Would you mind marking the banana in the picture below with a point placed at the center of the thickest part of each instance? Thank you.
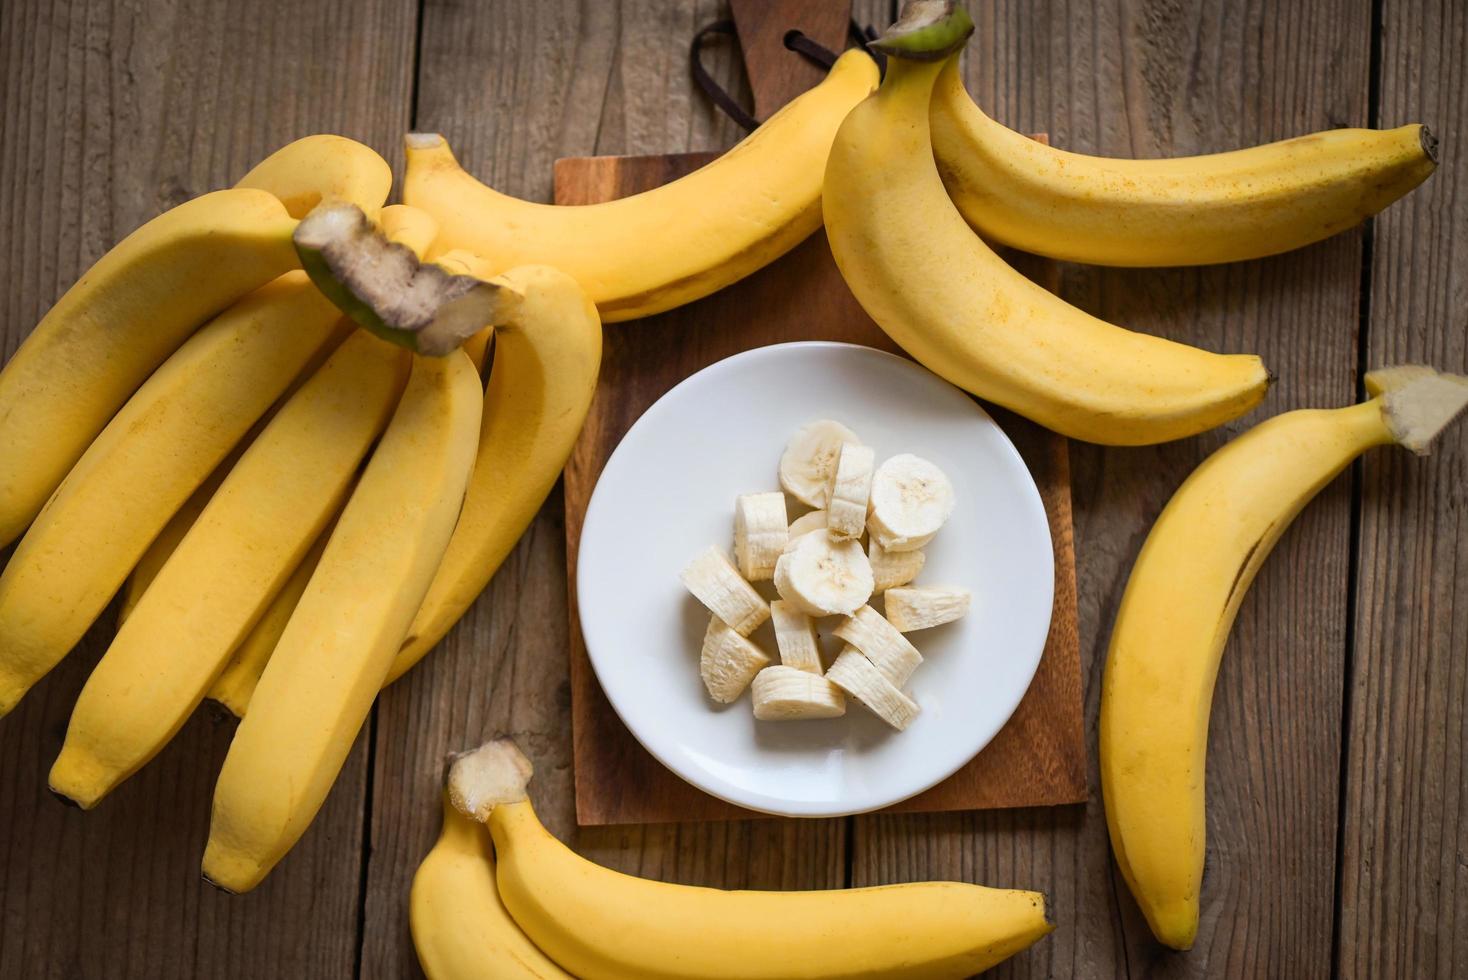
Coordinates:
(760, 533)
(728, 662)
(925, 606)
(1180, 603)
(319, 684)
(256, 529)
(787, 694)
(323, 168)
(849, 491)
(809, 460)
(122, 319)
(922, 274)
(823, 577)
(173, 532)
(144, 466)
(880, 642)
(602, 925)
(715, 582)
(911, 500)
(1222, 207)
(814, 520)
(694, 236)
(860, 679)
(461, 929)
(891, 569)
(795, 637)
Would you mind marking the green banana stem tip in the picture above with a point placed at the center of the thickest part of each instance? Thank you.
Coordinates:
(385, 289)
(927, 30)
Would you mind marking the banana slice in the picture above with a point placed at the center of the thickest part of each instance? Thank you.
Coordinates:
(806, 523)
(855, 675)
(760, 533)
(922, 607)
(892, 568)
(881, 642)
(795, 635)
(715, 582)
(728, 662)
(823, 577)
(810, 459)
(911, 498)
(851, 486)
(787, 694)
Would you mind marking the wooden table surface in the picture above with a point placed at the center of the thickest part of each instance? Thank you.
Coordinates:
(1337, 780)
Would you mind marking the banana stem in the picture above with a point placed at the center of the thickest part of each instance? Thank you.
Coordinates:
(927, 30)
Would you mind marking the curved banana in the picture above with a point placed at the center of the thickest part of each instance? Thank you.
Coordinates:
(1173, 624)
(156, 556)
(119, 321)
(254, 531)
(949, 301)
(321, 168)
(602, 925)
(320, 682)
(694, 236)
(151, 457)
(1222, 207)
(461, 929)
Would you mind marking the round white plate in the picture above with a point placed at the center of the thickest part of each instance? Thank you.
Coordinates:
(668, 492)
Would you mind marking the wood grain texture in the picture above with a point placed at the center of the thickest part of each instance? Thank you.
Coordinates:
(1404, 868)
(113, 112)
(1152, 78)
(773, 73)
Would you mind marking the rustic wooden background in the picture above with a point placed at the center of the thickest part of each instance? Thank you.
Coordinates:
(1338, 780)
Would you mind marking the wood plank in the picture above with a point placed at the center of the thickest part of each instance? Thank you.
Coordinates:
(1404, 874)
(1151, 78)
(111, 113)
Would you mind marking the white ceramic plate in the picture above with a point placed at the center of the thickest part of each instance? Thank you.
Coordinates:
(668, 491)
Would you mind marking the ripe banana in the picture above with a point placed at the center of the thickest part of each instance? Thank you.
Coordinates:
(1222, 207)
(255, 530)
(694, 236)
(461, 929)
(891, 569)
(786, 694)
(1180, 603)
(948, 300)
(151, 457)
(320, 682)
(923, 607)
(809, 460)
(795, 637)
(811, 521)
(601, 925)
(860, 679)
(121, 319)
(911, 500)
(760, 533)
(849, 491)
(822, 576)
(323, 168)
(880, 642)
(173, 532)
(715, 582)
(728, 662)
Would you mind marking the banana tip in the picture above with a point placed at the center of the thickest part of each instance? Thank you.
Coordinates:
(1429, 142)
(423, 141)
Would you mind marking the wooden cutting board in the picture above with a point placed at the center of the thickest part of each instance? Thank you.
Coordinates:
(1037, 759)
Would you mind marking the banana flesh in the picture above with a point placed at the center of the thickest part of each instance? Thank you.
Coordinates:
(822, 576)
(814, 520)
(783, 693)
(809, 460)
(1223, 207)
(891, 569)
(728, 662)
(1179, 606)
(715, 582)
(695, 235)
(881, 643)
(860, 679)
(923, 607)
(795, 637)
(850, 490)
(760, 534)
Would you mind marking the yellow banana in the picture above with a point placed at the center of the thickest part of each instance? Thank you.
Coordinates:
(1222, 207)
(151, 457)
(602, 925)
(319, 684)
(1173, 624)
(253, 533)
(949, 301)
(321, 168)
(694, 236)
(173, 532)
(461, 929)
(120, 320)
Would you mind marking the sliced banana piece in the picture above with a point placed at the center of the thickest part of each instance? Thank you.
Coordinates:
(760, 532)
(728, 662)
(851, 486)
(921, 607)
(715, 582)
(854, 674)
(887, 649)
(804, 524)
(810, 459)
(824, 577)
(787, 694)
(892, 568)
(795, 636)
(911, 499)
